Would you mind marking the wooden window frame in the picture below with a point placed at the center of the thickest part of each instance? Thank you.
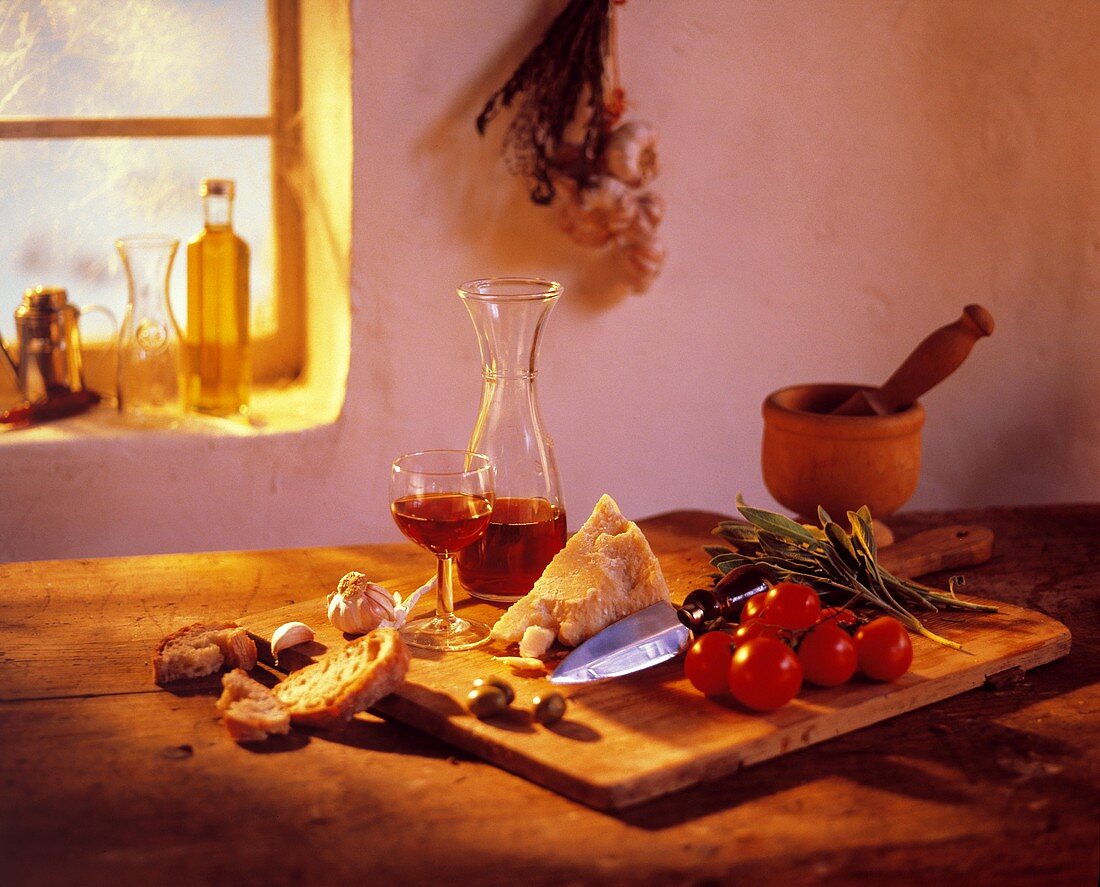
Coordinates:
(278, 356)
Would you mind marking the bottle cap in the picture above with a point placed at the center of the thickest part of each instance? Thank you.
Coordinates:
(217, 187)
(44, 298)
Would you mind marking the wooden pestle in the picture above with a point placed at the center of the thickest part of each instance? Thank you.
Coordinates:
(932, 361)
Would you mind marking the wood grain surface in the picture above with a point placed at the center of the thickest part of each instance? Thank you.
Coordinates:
(633, 739)
(107, 779)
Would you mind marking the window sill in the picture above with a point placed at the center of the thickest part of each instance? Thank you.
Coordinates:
(276, 410)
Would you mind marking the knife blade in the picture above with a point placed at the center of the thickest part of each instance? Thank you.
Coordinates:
(638, 641)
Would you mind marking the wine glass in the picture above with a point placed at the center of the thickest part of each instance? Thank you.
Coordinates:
(442, 500)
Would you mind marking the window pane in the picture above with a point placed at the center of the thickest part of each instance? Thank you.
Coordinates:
(133, 58)
(65, 203)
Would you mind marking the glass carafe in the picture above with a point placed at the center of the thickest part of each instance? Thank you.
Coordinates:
(528, 524)
(149, 344)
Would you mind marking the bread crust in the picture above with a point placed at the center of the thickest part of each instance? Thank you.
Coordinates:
(328, 692)
(250, 710)
(202, 648)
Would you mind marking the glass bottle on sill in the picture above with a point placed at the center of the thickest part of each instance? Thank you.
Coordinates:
(219, 358)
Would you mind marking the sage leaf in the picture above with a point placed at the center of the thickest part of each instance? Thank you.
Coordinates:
(832, 560)
(777, 525)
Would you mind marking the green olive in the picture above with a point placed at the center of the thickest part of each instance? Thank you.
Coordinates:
(549, 709)
(494, 681)
(486, 701)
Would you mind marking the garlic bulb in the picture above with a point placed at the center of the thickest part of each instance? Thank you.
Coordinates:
(630, 154)
(593, 215)
(643, 257)
(358, 605)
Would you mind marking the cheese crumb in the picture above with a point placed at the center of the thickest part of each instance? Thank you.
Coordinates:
(536, 641)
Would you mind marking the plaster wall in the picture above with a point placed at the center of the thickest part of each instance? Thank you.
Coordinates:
(840, 179)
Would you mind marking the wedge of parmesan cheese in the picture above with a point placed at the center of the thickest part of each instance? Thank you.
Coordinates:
(605, 572)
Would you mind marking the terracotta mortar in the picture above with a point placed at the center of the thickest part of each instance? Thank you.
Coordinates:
(840, 462)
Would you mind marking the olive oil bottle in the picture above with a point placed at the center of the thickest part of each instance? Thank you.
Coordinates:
(218, 350)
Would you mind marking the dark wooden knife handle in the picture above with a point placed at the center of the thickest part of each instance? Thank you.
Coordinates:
(945, 548)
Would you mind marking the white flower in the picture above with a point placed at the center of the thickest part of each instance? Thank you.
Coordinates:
(593, 215)
(630, 154)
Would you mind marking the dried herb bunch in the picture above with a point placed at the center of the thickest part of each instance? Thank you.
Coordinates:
(561, 80)
(568, 142)
(841, 564)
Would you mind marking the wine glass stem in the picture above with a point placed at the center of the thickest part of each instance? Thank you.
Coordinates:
(445, 592)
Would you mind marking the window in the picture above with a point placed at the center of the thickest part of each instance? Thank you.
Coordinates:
(111, 111)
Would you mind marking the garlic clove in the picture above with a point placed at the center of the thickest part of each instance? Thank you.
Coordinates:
(379, 601)
(289, 634)
(651, 209)
(643, 258)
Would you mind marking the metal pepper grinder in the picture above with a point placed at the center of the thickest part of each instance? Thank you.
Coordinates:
(49, 358)
(48, 363)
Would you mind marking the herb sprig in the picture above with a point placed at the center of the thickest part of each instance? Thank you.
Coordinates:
(832, 559)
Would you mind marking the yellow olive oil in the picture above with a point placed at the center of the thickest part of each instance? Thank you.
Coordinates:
(218, 350)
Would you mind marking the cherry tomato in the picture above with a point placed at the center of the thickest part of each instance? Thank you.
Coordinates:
(754, 606)
(792, 605)
(828, 655)
(764, 674)
(753, 628)
(708, 661)
(884, 649)
(841, 616)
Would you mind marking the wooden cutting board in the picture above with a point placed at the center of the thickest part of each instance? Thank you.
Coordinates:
(632, 739)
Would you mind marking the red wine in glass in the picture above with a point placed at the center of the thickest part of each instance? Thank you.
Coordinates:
(444, 523)
(443, 500)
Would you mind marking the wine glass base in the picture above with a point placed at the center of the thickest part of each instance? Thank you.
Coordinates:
(435, 633)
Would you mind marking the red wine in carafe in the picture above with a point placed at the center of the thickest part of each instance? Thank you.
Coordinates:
(522, 537)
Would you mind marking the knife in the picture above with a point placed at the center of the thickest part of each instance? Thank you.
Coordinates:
(656, 634)
(642, 639)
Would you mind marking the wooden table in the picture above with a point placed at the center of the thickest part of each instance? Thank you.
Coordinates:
(109, 779)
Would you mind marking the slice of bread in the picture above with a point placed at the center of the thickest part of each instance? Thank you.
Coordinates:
(329, 691)
(201, 649)
(605, 572)
(250, 710)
